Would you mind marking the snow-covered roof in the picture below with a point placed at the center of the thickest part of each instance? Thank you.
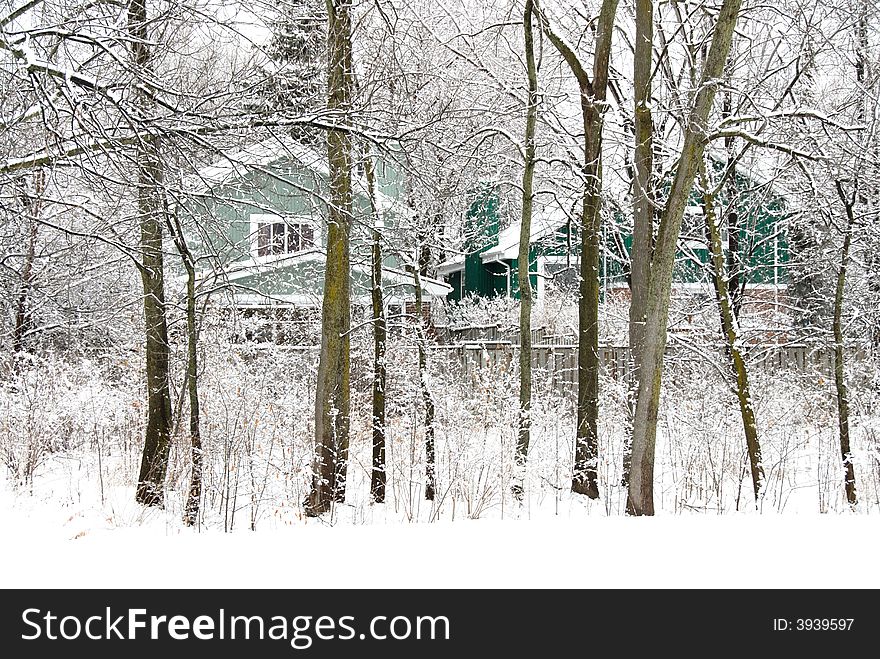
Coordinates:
(250, 267)
(432, 286)
(758, 166)
(543, 224)
(451, 265)
(236, 164)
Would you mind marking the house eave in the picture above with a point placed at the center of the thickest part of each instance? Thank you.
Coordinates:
(448, 267)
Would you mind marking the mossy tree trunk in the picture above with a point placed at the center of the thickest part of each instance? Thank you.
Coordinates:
(643, 201)
(332, 394)
(640, 499)
(730, 330)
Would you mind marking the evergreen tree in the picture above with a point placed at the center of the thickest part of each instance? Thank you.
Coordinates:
(294, 79)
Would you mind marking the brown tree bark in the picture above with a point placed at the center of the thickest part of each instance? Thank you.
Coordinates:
(378, 474)
(840, 387)
(643, 201)
(640, 499)
(151, 211)
(525, 286)
(194, 493)
(593, 96)
(332, 394)
(428, 400)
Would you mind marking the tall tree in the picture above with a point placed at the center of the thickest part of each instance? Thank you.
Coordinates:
(378, 476)
(643, 196)
(420, 270)
(640, 499)
(296, 73)
(332, 393)
(730, 330)
(848, 200)
(525, 235)
(151, 213)
(593, 95)
(191, 378)
(23, 305)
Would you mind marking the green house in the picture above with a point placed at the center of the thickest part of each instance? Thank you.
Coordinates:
(753, 207)
(257, 219)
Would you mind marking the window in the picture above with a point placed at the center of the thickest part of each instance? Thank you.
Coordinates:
(274, 235)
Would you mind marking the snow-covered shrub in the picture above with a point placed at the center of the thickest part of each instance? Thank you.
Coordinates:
(49, 405)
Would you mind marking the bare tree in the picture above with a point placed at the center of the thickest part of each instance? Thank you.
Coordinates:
(151, 210)
(640, 500)
(332, 395)
(593, 105)
(525, 239)
(643, 195)
(730, 330)
(378, 474)
(848, 200)
(23, 312)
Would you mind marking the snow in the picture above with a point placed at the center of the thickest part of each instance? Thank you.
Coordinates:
(543, 224)
(79, 547)
(74, 522)
(263, 155)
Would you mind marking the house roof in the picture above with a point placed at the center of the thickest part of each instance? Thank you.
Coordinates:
(236, 164)
(251, 267)
(758, 169)
(544, 223)
(759, 166)
(454, 264)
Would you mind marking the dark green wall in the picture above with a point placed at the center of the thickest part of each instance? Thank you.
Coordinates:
(762, 242)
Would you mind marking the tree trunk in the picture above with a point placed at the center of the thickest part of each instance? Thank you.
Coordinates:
(585, 476)
(332, 395)
(640, 500)
(643, 202)
(593, 94)
(525, 233)
(194, 496)
(421, 337)
(151, 209)
(729, 327)
(378, 474)
(837, 327)
(23, 312)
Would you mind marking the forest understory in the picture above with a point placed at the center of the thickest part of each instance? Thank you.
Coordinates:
(70, 443)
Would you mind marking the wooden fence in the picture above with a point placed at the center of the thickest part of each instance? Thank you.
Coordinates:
(560, 361)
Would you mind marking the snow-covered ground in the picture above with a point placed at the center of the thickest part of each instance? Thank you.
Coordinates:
(82, 546)
(73, 520)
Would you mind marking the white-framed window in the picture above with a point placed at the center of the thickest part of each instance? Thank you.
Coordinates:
(274, 235)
